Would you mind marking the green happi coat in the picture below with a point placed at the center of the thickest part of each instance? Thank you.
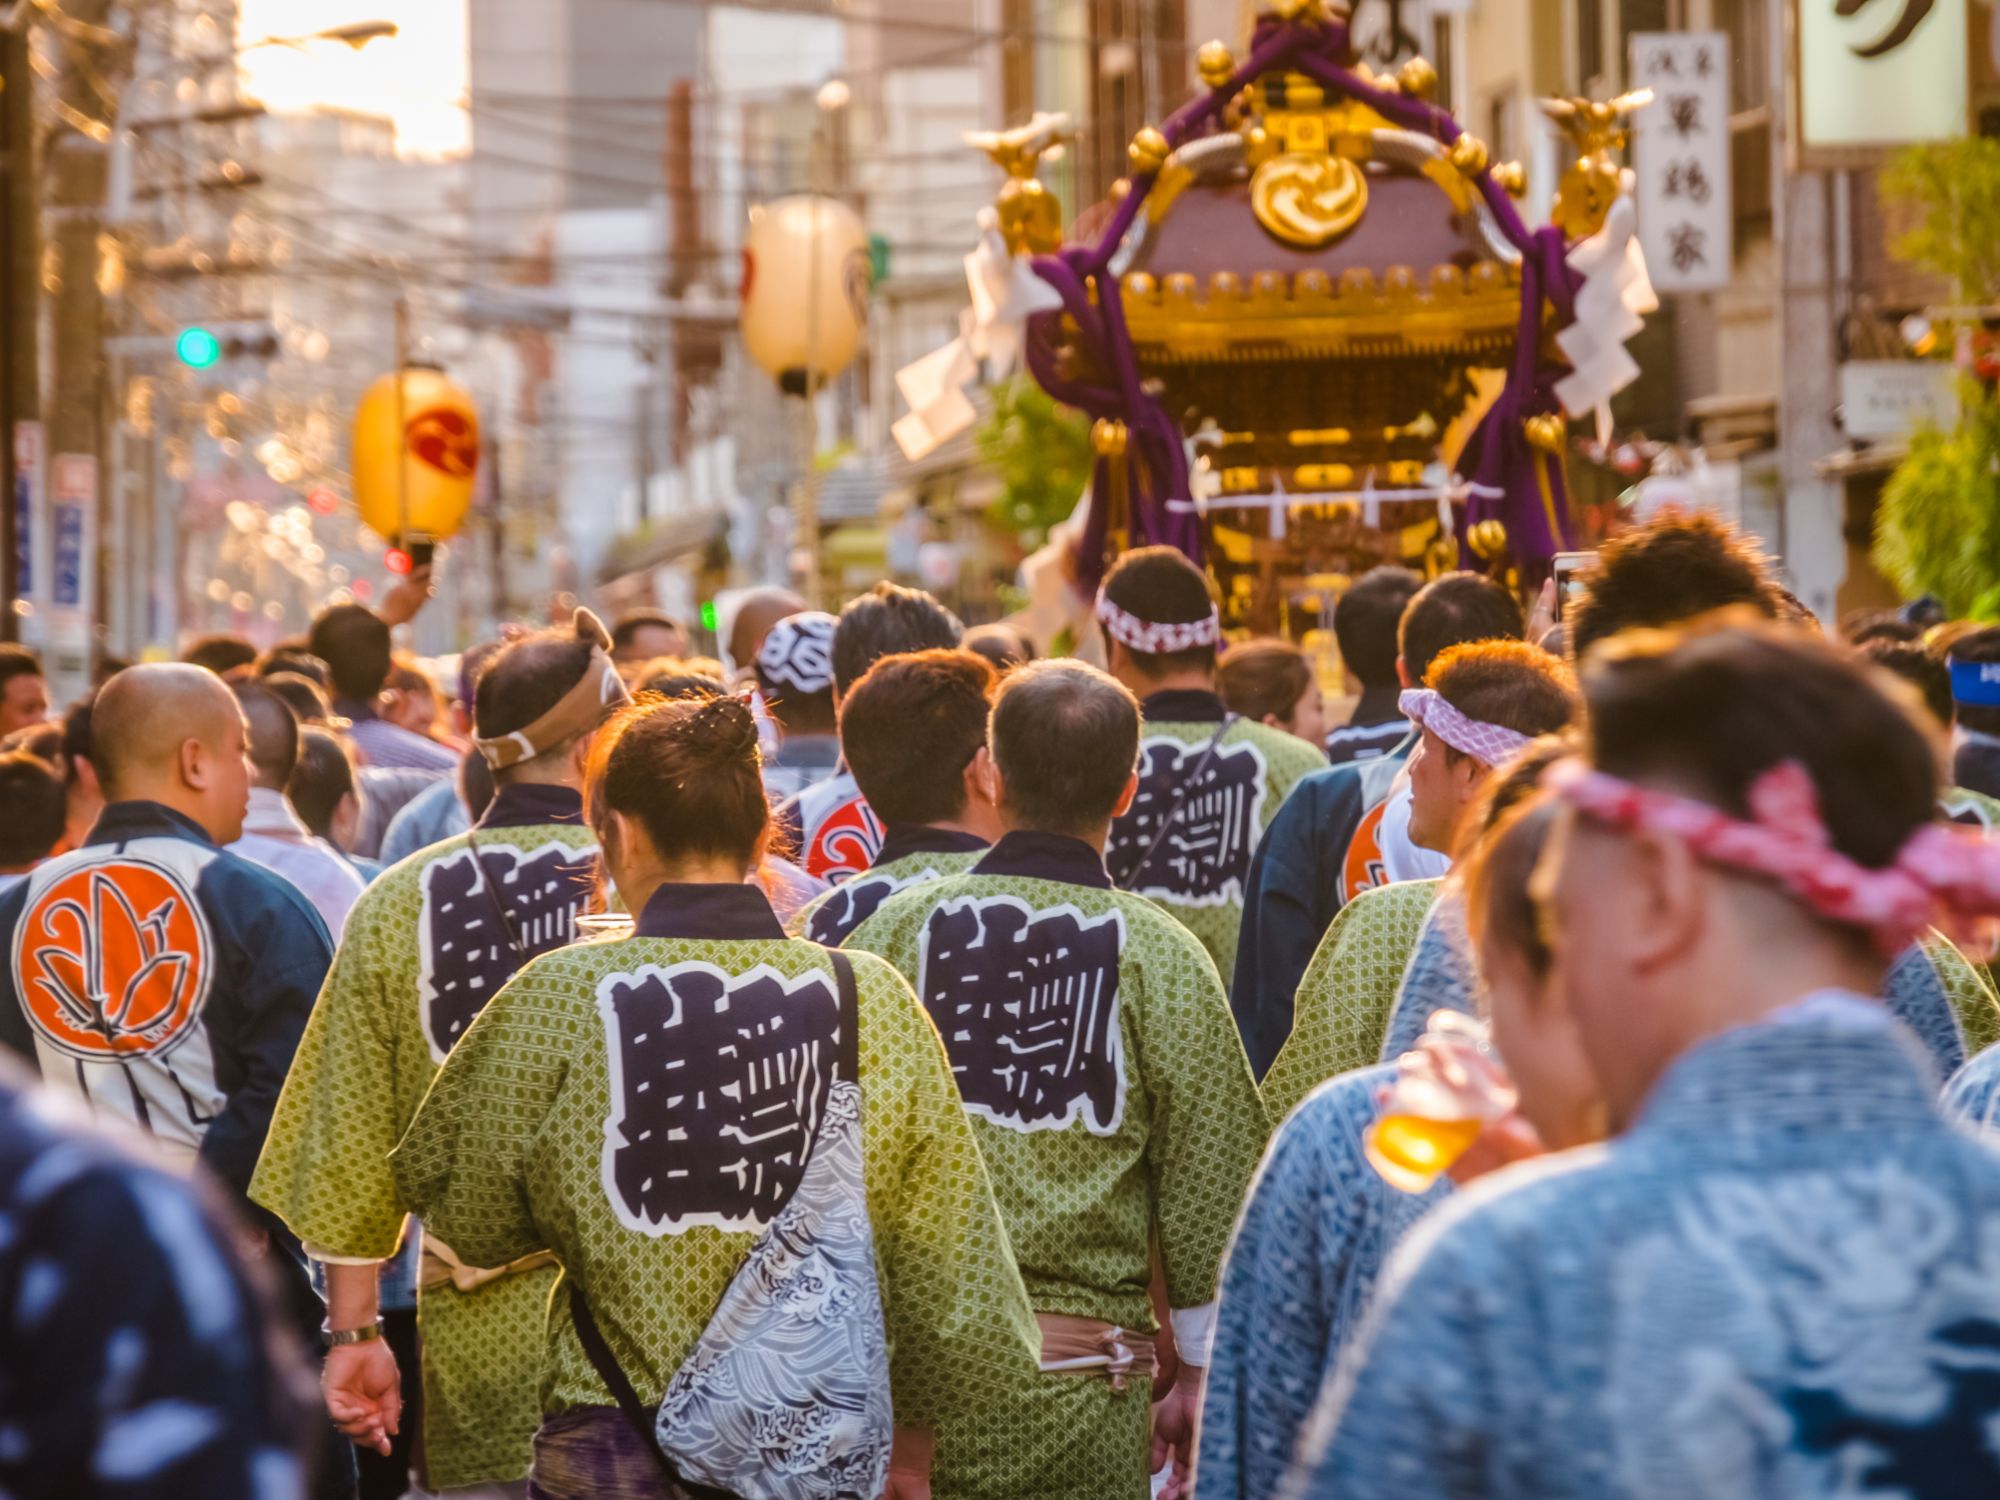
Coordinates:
(1136, 1118)
(908, 856)
(1341, 1012)
(423, 950)
(1198, 869)
(553, 1127)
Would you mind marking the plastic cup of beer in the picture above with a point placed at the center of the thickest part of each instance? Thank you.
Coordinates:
(592, 925)
(1445, 1093)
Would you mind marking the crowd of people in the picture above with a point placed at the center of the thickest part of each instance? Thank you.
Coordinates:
(879, 1060)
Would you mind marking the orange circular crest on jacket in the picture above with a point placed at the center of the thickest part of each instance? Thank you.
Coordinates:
(112, 961)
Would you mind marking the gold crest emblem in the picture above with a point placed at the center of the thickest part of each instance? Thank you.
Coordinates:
(1308, 200)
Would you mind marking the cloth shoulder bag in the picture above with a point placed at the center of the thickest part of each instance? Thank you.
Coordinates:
(786, 1393)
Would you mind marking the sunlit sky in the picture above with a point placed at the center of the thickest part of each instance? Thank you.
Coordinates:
(417, 77)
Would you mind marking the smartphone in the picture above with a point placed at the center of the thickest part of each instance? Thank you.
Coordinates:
(1570, 569)
(420, 550)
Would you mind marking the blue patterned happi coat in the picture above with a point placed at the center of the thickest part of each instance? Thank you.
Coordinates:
(1314, 1236)
(1782, 1281)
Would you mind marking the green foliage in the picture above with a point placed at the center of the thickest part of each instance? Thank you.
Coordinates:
(1937, 530)
(1041, 451)
(1954, 187)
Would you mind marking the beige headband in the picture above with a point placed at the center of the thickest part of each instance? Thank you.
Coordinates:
(598, 692)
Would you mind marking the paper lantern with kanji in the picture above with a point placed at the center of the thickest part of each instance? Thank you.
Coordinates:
(805, 289)
(436, 426)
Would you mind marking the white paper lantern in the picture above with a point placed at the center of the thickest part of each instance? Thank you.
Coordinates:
(805, 289)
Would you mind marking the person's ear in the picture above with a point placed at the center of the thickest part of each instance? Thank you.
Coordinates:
(1403, 673)
(981, 777)
(195, 764)
(1274, 721)
(1673, 889)
(992, 786)
(579, 756)
(1125, 796)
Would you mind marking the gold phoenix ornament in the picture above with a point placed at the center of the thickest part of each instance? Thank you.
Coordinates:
(1030, 215)
(1590, 186)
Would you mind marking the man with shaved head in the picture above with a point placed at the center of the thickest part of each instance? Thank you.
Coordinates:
(160, 977)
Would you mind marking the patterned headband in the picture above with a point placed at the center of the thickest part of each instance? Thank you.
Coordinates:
(1155, 636)
(593, 695)
(798, 653)
(1940, 876)
(1489, 744)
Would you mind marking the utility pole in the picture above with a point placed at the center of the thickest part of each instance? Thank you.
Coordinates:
(77, 180)
(20, 257)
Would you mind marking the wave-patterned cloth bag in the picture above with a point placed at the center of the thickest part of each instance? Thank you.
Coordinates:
(786, 1394)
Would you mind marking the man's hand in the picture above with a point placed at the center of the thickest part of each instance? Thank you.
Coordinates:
(1174, 1418)
(1542, 618)
(1501, 1143)
(364, 1395)
(400, 604)
(905, 1485)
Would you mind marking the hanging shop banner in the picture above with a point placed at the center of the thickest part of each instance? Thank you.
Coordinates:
(1877, 73)
(1681, 158)
(28, 482)
(71, 586)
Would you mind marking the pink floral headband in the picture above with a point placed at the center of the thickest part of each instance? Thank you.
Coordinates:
(1155, 636)
(1489, 744)
(1940, 876)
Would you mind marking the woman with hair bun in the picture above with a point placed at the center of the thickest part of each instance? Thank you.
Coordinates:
(676, 1115)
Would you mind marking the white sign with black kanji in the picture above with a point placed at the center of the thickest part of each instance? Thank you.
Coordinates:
(1680, 155)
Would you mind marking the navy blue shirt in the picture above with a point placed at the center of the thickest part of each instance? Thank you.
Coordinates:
(1374, 729)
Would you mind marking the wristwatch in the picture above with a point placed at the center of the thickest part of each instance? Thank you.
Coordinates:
(333, 1338)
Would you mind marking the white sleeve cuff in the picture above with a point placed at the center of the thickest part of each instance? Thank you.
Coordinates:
(1194, 1333)
(328, 1258)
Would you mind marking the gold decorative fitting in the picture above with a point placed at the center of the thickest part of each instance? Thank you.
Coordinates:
(1548, 432)
(1300, 10)
(1109, 437)
(1148, 152)
(1487, 539)
(1217, 64)
(1512, 178)
(1468, 154)
(1417, 78)
(1597, 128)
(1308, 200)
(1233, 318)
(1030, 215)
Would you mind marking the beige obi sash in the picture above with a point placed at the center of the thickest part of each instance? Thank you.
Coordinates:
(437, 1265)
(1089, 1346)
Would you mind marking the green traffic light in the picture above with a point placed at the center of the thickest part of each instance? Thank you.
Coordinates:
(708, 614)
(198, 348)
